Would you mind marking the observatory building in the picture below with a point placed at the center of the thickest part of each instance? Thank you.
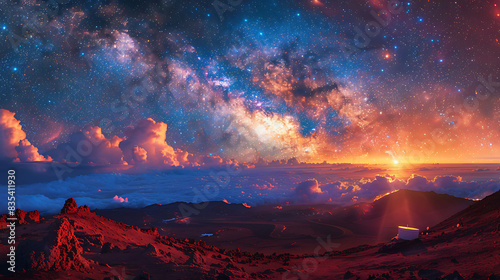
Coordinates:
(408, 233)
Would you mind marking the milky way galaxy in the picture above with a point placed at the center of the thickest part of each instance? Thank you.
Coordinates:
(204, 82)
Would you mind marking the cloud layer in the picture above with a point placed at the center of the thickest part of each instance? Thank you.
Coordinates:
(278, 185)
(310, 191)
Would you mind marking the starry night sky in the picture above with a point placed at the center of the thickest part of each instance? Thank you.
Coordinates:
(317, 80)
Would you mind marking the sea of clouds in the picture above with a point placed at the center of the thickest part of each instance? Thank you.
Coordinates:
(262, 185)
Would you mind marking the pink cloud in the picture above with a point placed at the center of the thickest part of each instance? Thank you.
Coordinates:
(140, 155)
(105, 151)
(13, 143)
(90, 146)
(27, 152)
(11, 132)
(308, 190)
(120, 199)
(366, 190)
(150, 136)
(185, 159)
(144, 144)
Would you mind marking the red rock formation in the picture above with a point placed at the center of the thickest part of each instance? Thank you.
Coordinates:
(60, 250)
(69, 207)
(20, 215)
(152, 231)
(83, 209)
(23, 217)
(33, 217)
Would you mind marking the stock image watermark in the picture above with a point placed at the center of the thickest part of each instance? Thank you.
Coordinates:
(311, 264)
(35, 22)
(485, 88)
(223, 6)
(123, 105)
(211, 190)
(372, 29)
(453, 115)
(11, 210)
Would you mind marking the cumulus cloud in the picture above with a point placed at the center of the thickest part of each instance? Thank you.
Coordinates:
(120, 199)
(454, 185)
(310, 191)
(213, 161)
(13, 143)
(144, 145)
(28, 153)
(147, 140)
(339, 191)
(89, 146)
(380, 185)
(105, 150)
(139, 155)
(11, 132)
(184, 158)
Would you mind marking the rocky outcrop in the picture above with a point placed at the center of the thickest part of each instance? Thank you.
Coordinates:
(60, 250)
(89, 241)
(70, 207)
(83, 209)
(151, 231)
(22, 217)
(152, 250)
(33, 217)
(109, 248)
